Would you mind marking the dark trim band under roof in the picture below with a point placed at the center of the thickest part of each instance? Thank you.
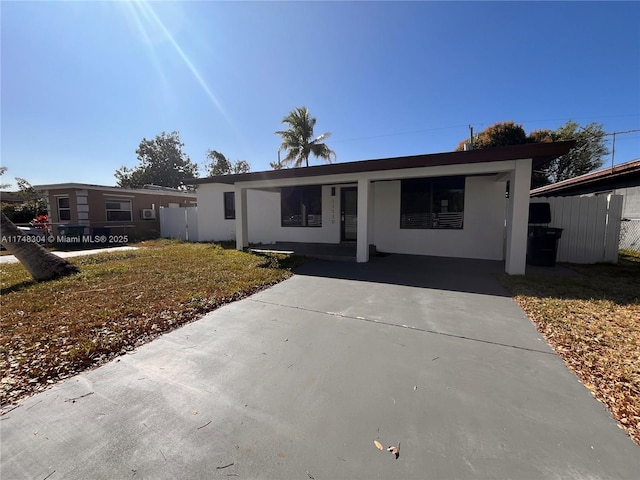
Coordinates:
(540, 153)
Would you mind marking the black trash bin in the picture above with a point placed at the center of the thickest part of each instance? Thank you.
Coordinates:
(72, 233)
(542, 243)
(542, 246)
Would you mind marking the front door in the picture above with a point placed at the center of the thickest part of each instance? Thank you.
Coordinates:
(349, 214)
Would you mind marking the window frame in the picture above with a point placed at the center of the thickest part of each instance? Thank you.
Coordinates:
(229, 204)
(121, 202)
(67, 210)
(303, 201)
(432, 203)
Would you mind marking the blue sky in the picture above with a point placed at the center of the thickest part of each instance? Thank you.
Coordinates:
(83, 83)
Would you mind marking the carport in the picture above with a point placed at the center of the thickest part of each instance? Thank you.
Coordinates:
(448, 204)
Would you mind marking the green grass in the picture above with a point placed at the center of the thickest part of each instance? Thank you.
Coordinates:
(51, 330)
(593, 322)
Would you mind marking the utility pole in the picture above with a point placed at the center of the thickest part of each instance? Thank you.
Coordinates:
(613, 145)
(613, 150)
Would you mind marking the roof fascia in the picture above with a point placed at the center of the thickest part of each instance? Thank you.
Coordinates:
(381, 175)
(114, 190)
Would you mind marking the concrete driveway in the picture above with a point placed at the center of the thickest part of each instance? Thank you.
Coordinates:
(4, 259)
(299, 380)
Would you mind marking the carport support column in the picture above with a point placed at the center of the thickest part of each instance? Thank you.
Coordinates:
(362, 252)
(518, 217)
(242, 231)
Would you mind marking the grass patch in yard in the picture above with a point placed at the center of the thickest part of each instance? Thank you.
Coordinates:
(51, 330)
(593, 322)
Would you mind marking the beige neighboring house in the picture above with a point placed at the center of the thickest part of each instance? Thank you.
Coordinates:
(85, 209)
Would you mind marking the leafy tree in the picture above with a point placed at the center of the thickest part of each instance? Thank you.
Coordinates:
(33, 200)
(162, 162)
(298, 140)
(42, 265)
(497, 135)
(32, 205)
(540, 177)
(277, 165)
(587, 155)
(3, 170)
(540, 136)
(221, 165)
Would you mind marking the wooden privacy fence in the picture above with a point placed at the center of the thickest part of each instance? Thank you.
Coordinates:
(180, 222)
(591, 227)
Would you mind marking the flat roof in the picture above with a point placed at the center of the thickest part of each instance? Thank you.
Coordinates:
(540, 153)
(89, 186)
(595, 178)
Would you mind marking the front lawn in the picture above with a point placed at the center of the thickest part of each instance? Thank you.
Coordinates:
(51, 330)
(593, 322)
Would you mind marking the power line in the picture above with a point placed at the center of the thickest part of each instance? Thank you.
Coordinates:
(613, 146)
(411, 132)
(626, 131)
(395, 134)
(582, 118)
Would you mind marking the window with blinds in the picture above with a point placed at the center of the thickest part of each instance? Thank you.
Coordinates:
(118, 210)
(436, 202)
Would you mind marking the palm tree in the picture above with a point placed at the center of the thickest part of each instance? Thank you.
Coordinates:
(298, 139)
(42, 265)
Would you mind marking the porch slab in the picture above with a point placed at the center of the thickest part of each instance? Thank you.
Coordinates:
(345, 251)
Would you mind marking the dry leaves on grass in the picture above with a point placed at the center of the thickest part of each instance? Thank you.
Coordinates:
(51, 330)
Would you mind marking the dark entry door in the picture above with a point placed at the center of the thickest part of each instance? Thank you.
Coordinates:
(348, 214)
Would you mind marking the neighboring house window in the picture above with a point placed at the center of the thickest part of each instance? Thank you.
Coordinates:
(118, 210)
(229, 205)
(301, 206)
(436, 202)
(64, 209)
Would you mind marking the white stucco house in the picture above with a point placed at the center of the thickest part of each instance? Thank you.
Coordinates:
(447, 204)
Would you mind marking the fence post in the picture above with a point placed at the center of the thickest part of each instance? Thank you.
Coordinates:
(614, 219)
(186, 225)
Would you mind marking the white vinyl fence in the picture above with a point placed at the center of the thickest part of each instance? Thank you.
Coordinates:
(181, 222)
(591, 227)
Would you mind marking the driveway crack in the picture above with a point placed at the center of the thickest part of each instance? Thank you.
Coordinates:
(408, 327)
